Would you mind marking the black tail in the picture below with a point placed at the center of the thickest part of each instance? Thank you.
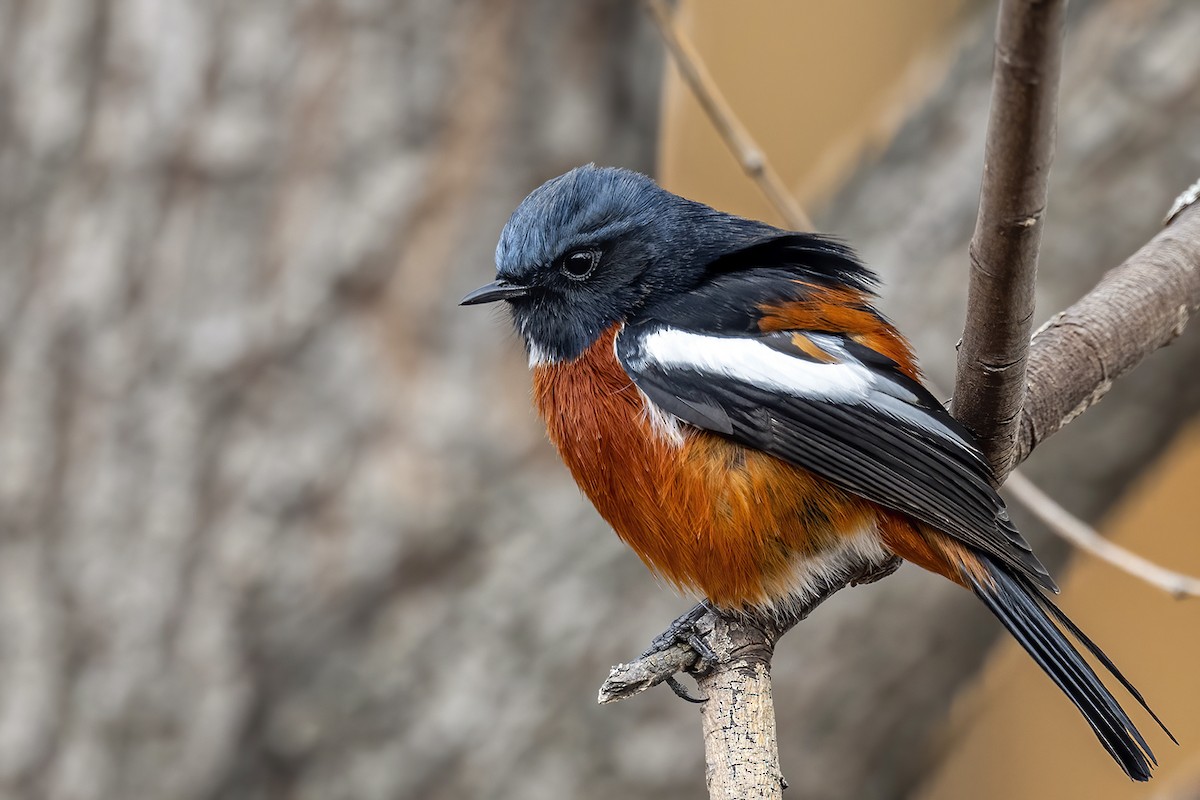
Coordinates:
(1030, 616)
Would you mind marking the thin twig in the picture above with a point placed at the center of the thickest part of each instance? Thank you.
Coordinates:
(739, 141)
(1083, 536)
(990, 383)
(1078, 533)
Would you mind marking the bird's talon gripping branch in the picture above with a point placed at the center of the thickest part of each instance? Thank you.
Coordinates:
(686, 631)
(705, 657)
(681, 631)
(680, 648)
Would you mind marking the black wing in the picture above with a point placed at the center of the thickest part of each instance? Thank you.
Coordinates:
(850, 417)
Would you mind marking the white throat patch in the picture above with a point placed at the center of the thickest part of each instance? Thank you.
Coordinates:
(538, 357)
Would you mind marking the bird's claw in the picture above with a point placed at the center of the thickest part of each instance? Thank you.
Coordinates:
(683, 631)
(682, 692)
(705, 657)
(680, 631)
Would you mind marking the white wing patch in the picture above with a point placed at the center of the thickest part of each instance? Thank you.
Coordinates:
(753, 362)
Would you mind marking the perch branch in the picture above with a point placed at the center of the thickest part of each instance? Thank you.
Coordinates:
(990, 383)
(731, 130)
(738, 716)
(738, 719)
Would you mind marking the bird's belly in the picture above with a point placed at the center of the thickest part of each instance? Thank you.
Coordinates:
(739, 526)
(709, 515)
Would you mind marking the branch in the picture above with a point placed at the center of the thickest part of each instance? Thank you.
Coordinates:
(1008, 231)
(739, 141)
(1136, 308)
(740, 744)
(738, 716)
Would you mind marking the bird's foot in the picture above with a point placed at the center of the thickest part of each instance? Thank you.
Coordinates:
(685, 631)
(706, 639)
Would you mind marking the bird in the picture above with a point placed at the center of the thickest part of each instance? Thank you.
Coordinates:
(729, 398)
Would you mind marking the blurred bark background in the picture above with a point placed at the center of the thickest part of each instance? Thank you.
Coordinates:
(270, 504)
(276, 519)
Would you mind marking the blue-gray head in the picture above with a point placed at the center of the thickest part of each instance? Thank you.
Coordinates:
(589, 248)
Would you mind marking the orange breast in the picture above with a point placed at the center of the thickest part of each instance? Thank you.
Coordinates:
(707, 514)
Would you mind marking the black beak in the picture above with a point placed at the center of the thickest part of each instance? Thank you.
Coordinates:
(496, 290)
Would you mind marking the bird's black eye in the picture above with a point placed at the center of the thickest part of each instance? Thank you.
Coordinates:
(579, 264)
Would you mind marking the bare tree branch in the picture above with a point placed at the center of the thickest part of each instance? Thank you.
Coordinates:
(1136, 308)
(1008, 230)
(738, 715)
(747, 152)
(738, 719)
